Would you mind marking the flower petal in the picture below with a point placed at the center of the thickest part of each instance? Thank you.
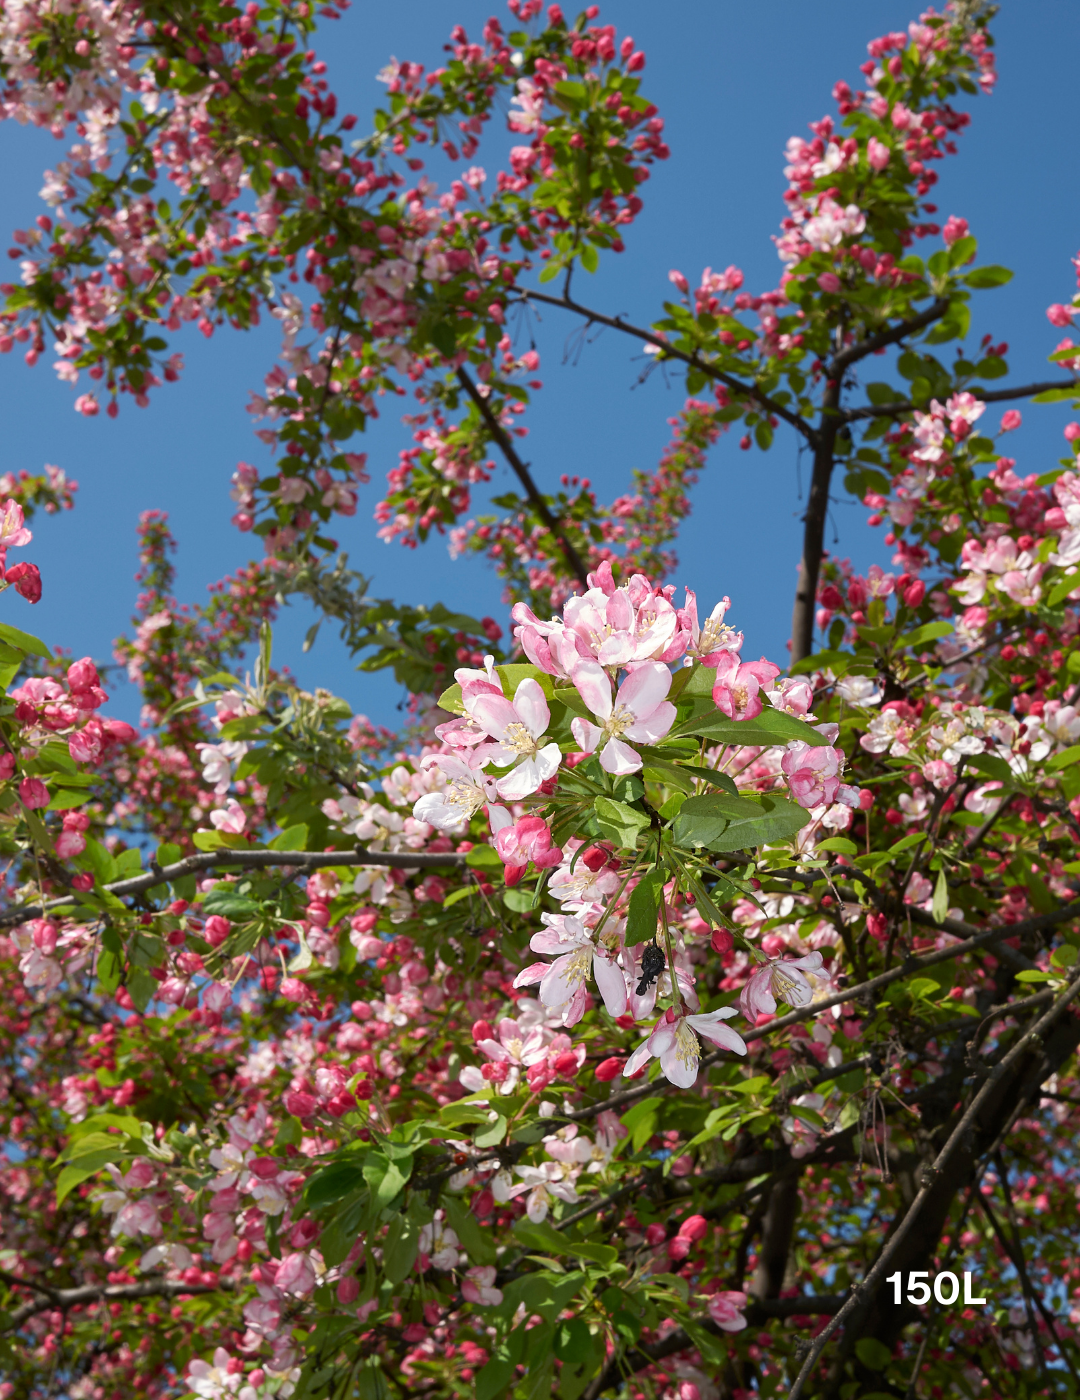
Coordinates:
(592, 684)
(532, 707)
(619, 758)
(611, 984)
(645, 688)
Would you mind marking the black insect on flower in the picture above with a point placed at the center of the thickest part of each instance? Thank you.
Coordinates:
(652, 965)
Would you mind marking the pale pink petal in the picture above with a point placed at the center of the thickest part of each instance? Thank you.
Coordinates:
(520, 782)
(654, 727)
(532, 707)
(611, 984)
(586, 735)
(618, 758)
(641, 1056)
(645, 688)
(592, 684)
(494, 712)
(535, 972)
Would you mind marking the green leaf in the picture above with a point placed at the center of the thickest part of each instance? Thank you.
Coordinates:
(992, 766)
(14, 637)
(477, 1242)
(400, 1248)
(64, 801)
(491, 1133)
(333, 1183)
(293, 838)
(921, 635)
(771, 727)
(229, 905)
(640, 1121)
(71, 1177)
(643, 908)
(873, 1353)
(1065, 758)
(484, 857)
(520, 901)
(620, 823)
(838, 843)
(722, 823)
(990, 276)
(1062, 588)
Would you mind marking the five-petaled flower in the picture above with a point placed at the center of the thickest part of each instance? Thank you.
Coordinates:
(639, 713)
(674, 1042)
(783, 980)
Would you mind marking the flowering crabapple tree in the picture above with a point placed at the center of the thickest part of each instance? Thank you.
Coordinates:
(629, 1023)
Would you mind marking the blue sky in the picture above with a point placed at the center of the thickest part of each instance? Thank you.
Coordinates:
(733, 83)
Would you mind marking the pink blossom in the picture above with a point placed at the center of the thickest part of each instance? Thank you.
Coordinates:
(27, 581)
(955, 229)
(296, 1275)
(517, 729)
(725, 1309)
(940, 773)
(478, 1286)
(33, 793)
(563, 983)
(13, 532)
(707, 640)
(828, 282)
(1011, 419)
(783, 980)
(466, 790)
(813, 772)
(528, 839)
(231, 818)
(1059, 315)
(877, 153)
(738, 685)
(640, 713)
(793, 695)
(674, 1041)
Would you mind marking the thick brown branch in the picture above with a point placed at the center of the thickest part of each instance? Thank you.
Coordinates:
(247, 860)
(844, 358)
(721, 376)
(520, 469)
(1024, 391)
(972, 940)
(64, 1298)
(934, 1180)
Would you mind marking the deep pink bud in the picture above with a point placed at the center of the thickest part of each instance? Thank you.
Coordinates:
(217, 930)
(298, 1103)
(694, 1227)
(482, 1031)
(83, 674)
(609, 1069)
(915, 593)
(27, 581)
(33, 793)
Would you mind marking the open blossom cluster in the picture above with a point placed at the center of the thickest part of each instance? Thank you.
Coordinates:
(548, 1047)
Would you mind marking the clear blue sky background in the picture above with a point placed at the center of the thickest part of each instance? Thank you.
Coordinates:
(733, 83)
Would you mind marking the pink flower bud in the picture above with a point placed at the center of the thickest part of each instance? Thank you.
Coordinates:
(1011, 419)
(298, 1103)
(348, 1289)
(915, 593)
(1056, 314)
(217, 930)
(955, 229)
(679, 280)
(27, 581)
(609, 1069)
(292, 989)
(694, 1227)
(83, 674)
(33, 793)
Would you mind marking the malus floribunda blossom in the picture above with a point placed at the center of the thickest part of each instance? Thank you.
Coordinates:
(27, 581)
(478, 1286)
(517, 728)
(877, 153)
(639, 713)
(813, 772)
(725, 1309)
(528, 839)
(33, 793)
(563, 982)
(674, 1042)
(231, 818)
(784, 980)
(736, 692)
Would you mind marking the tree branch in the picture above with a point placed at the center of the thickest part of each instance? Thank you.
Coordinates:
(897, 410)
(65, 1298)
(248, 860)
(844, 358)
(931, 1176)
(502, 440)
(885, 979)
(721, 376)
(756, 1312)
